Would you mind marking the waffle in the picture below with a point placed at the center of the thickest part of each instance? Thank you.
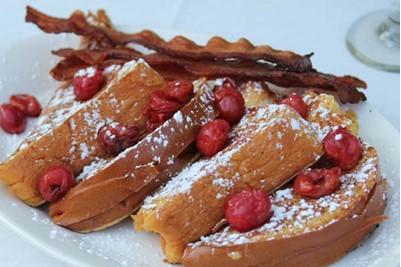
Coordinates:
(67, 132)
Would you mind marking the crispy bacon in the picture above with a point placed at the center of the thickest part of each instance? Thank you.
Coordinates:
(181, 58)
(66, 69)
(97, 56)
(216, 48)
(345, 86)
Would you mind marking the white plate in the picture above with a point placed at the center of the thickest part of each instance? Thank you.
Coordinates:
(24, 68)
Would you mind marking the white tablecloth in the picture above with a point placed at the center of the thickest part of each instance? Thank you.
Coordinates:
(301, 26)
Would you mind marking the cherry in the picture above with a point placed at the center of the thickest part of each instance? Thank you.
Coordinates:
(230, 103)
(179, 90)
(343, 147)
(160, 109)
(212, 137)
(27, 104)
(163, 104)
(56, 182)
(116, 137)
(297, 103)
(316, 183)
(86, 86)
(248, 210)
(12, 120)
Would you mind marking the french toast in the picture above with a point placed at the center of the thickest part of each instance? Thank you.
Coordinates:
(303, 231)
(257, 94)
(270, 145)
(325, 112)
(112, 192)
(267, 148)
(67, 132)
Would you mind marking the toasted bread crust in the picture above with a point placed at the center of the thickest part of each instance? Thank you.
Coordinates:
(135, 173)
(332, 234)
(269, 146)
(123, 209)
(73, 140)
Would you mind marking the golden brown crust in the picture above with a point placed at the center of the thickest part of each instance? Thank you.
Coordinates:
(318, 247)
(135, 171)
(123, 209)
(123, 100)
(269, 146)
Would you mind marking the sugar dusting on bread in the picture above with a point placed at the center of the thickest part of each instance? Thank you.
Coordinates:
(157, 138)
(258, 119)
(325, 114)
(293, 214)
(63, 105)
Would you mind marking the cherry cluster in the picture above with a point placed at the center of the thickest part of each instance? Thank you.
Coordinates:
(213, 135)
(13, 115)
(163, 104)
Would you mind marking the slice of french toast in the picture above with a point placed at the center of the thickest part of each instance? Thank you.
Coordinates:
(112, 192)
(67, 133)
(267, 148)
(303, 231)
(325, 112)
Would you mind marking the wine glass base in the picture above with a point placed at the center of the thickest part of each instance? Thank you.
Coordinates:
(364, 41)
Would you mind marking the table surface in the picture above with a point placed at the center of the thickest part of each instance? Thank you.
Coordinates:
(301, 26)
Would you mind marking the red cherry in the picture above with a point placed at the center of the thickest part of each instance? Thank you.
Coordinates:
(27, 104)
(248, 210)
(56, 182)
(160, 109)
(212, 137)
(297, 103)
(343, 147)
(86, 86)
(116, 137)
(180, 90)
(12, 120)
(230, 103)
(316, 183)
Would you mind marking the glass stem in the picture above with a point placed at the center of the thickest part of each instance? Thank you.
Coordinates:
(389, 31)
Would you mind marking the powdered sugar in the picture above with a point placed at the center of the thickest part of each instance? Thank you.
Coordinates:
(325, 114)
(295, 215)
(178, 117)
(258, 120)
(338, 137)
(91, 169)
(158, 142)
(88, 72)
(61, 107)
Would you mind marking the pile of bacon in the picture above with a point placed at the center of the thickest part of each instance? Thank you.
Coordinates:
(181, 58)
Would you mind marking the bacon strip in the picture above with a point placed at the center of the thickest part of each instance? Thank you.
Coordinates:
(182, 58)
(97, 56)
(175, 68)
(216, 48)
